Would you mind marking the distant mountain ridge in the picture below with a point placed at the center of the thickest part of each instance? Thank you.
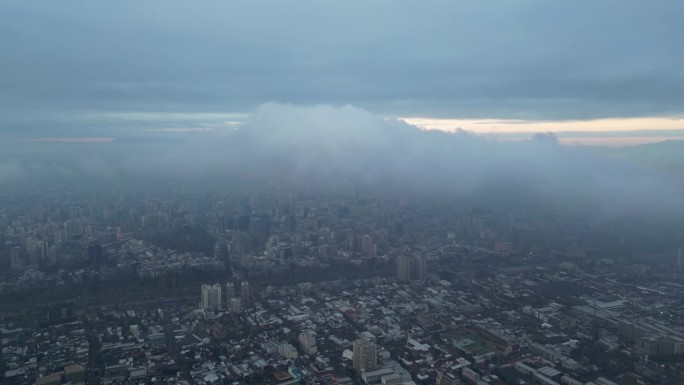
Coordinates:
(668, 154)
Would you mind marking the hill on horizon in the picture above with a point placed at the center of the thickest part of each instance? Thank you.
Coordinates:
(668, 154)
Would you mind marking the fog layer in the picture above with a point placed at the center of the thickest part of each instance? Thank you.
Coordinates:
(347, 149)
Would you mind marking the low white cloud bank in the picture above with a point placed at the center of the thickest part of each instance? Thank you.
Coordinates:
(328, 148)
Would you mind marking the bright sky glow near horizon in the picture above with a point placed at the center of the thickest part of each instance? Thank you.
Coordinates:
(613, 131)
(603, 132)
(86, 69)
(513, 126)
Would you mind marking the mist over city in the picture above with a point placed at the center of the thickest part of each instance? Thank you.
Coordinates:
(303, 192)
(345, 149)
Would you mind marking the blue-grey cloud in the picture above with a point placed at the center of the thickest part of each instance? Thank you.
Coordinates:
(526, 59)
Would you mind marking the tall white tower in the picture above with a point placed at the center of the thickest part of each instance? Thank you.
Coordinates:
(211, 296)
(365, 355)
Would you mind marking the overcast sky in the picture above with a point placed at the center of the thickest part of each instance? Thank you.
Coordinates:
(319, 94)
(85, 67)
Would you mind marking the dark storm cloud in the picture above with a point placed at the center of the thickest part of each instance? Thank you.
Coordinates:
(525, 59)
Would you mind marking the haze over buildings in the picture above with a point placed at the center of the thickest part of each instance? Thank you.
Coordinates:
(313, 95)
(355, 193)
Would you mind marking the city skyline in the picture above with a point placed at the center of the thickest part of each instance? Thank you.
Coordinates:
(301, 192)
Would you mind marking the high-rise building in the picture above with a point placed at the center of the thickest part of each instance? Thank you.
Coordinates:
(16, 258)
(52, 255)
(244, 292)
(235, 305)
(221, 223)
(42, 251)
(287, 351)
(365, 355)
(368, 246)
(95, 253)
(403, 268)
(33, 250)
(230, 290)
(307, 342)
(221, 250)
(419, 271)
(211, 296)
(290, 223)
(259, 230)
(410, 268)
(73, 227)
